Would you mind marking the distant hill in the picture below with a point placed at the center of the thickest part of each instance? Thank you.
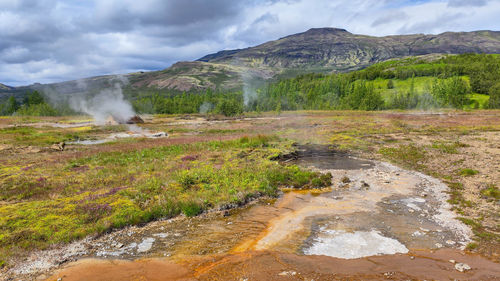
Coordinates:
(4, 87)
(316, 50)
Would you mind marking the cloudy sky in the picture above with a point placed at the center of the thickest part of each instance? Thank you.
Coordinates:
(55, 40)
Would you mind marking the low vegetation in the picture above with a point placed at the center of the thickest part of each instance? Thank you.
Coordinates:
(55, 202)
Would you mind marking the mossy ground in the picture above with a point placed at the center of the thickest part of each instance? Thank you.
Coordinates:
(59, 201)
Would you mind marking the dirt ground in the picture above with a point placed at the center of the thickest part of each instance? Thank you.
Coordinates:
(418, 265)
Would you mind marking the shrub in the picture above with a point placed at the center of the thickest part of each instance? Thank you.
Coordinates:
(494, 92)
(191, 208)
(229, 107)
(41, 109)
(390, 84)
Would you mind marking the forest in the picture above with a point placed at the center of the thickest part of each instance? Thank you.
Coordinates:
(468, 81)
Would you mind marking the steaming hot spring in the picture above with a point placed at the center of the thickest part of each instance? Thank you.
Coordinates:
(134, 131)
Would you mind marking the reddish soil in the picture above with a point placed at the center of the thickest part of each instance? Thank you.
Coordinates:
(419, 265)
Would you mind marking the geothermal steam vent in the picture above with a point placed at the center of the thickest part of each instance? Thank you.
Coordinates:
(113, 120)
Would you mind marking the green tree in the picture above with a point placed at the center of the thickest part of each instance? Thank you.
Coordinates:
(278, 108)
(33, 98)
(229, 107)
(390, 84)
(12, 105)
(494, 92)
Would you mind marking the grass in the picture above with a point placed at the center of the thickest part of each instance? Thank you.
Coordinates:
(492, 192)
(114, 189)
(410, 155)
(447, 147)
(466, 172)
(46, 136)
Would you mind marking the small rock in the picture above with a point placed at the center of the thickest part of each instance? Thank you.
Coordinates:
(145, 245)
(364, 185)
(423, 194)
(287, 273)
(229, 222)
(439, 245)
(412, 258)
(59, 279)
(226, 213)
(462, 267)
(159, 135)
(452, 261)
(345, 179)
(58, 146)
(450, 242)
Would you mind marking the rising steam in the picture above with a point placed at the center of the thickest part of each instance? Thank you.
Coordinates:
(108, 102)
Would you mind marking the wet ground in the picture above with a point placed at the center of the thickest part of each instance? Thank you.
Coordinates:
(265, 265)
(372, 209)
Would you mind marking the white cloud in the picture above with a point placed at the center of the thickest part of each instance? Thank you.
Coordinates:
(49, 40)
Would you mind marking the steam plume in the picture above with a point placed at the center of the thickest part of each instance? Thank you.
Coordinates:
(108, 102)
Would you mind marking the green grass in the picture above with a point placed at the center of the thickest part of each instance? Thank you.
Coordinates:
(409, 155)
(466, 172)
(46, 136)
(491, 191)
(114, 189)
(478, 101)
(447, 147)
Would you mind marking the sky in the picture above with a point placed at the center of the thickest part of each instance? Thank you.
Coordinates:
(49, 41)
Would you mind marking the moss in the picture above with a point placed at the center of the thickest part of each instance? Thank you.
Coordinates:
(468, 172)
(409, 155)
(472, 246)
(491, 191)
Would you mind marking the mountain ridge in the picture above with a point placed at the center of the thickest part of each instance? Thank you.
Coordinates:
(338, 49)
(315, 50)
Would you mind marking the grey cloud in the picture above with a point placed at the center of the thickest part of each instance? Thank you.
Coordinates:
(53, 40)
(467, 3)
(434, 25)
(390, 17)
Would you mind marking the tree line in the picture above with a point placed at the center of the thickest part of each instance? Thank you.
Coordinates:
(345, 91)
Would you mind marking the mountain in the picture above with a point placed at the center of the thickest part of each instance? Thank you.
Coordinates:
(316, 50)
(4, 87)
(337, 49)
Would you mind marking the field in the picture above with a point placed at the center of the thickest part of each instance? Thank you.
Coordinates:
(49, 197)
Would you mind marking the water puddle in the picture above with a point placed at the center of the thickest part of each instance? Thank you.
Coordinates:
(117, 136)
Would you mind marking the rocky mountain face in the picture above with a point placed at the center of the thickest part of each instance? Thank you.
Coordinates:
(338, 49)
(318, 49)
